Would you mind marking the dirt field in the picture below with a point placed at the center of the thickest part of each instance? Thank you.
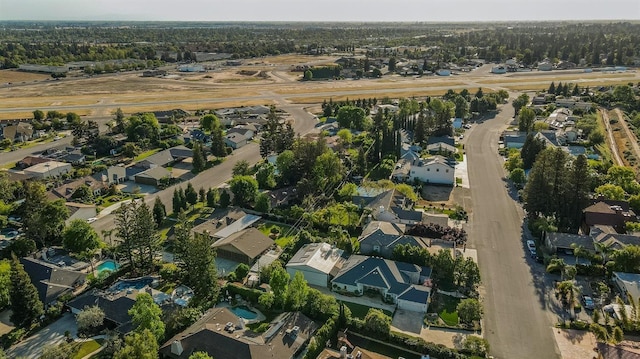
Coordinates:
(15, 76)
(259, 81)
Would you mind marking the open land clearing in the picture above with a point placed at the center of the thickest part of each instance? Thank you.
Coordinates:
(256, 82)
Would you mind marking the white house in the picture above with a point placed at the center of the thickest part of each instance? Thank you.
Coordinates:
(433, 170)
(48, 169)
(315, 261)
(235, 140)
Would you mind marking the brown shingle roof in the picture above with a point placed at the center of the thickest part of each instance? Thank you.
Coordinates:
(250, 241)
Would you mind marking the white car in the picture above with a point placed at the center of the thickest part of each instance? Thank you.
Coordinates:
(531, 245)
(91, 220)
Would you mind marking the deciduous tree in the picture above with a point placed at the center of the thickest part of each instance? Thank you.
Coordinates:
(146, 315)
(469, 310)
(245, 190)
(80, 237)
(140, 345)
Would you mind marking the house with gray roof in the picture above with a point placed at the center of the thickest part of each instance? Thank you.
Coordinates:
(380, 238)
(51, 280)
(393, 206)
(223, 335)
(397, 282)
(152, 176)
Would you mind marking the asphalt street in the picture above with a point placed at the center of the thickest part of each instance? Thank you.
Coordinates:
(517, 323)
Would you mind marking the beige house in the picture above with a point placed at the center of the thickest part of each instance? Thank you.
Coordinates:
(48, 169)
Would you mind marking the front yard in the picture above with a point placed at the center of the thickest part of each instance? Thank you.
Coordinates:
(445, 308)
(360, 311)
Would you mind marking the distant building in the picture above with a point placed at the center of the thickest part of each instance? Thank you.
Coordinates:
(154, 73)
(235, 140)
(43, 68)
(244, 246)
(20, 132)
(545, 66)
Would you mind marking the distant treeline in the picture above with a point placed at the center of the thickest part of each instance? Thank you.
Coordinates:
(53, 43)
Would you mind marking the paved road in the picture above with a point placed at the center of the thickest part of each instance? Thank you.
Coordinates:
(53, 334)
(214, 177)
(517, 323)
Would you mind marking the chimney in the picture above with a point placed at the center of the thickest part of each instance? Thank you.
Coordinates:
(176, 347)
(343, 352)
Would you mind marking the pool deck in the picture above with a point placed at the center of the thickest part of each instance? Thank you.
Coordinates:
(261, 317)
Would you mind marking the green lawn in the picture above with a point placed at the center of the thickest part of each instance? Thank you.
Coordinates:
(281, 241)
(146, 154)
(360, 311)
(86, 348)
(446, 307)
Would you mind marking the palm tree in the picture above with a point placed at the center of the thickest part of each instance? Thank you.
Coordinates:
(605, 249)
(580, 251)
(568, 291)
(557, 264)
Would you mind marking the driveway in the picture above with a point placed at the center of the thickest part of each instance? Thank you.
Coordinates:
(53, 334)
(5, 324)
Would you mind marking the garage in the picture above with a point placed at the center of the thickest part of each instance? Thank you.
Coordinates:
(414, 299)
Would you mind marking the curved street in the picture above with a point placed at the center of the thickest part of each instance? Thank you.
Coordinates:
(517, 323)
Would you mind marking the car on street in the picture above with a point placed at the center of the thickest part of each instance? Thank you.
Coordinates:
(92, 219)
(587, 301)
(531, 245)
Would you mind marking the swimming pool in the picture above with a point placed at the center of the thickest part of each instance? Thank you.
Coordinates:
(137, 283)
(244, 312)
(107, 265)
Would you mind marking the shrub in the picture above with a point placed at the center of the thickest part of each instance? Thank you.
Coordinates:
(170, 272)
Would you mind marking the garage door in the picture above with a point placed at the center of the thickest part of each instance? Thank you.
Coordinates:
(312, 278)
(412, 306)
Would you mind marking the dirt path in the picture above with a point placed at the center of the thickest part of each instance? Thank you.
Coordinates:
(612, 142)
(633, 140)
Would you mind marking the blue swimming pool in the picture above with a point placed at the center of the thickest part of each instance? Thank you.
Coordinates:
(107, 265)
(137, 283)
(244, 312)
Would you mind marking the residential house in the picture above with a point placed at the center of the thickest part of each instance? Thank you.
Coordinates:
(549, 137)
(166, 157)
(244, 246)
(80, 211)
(243, 130)
(222, 335)
(398, 282)
(318, 262)
(235, 140)
(628, 284)
(444, 145)
(75, 157)
(282, 196)
(401, 171)
(606, 236)
(115, 306)
(48, 169)
(393, 206)
(433, 170)
(152, 176)
(565, 242)
(67, 190)
(545, 66)
(355, 353)
(30, 161)
(20, 132)
(514, 139)
(170, 116)
(619, 351)
(225, 222)
(380, 238)
(607, 213)
(115, 175)
(51, 280)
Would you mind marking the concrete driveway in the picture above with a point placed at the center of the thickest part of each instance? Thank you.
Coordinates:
(408, 321)
(53, 334)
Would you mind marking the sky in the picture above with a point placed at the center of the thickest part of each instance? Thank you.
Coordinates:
(319, 10)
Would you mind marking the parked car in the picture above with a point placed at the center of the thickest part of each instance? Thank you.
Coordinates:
(587, 301)
(531, 245)
(92, 219)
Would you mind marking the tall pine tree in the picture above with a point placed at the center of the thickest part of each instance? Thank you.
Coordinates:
(26, 306)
